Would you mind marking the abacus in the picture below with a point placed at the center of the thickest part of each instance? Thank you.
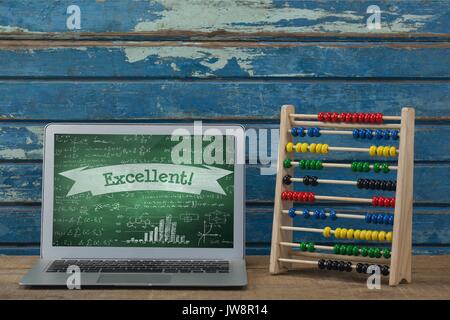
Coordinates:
(394, 262)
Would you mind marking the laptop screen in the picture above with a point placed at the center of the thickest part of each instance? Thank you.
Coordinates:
(136, 190)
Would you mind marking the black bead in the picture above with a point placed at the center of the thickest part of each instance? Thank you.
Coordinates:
(383, 185)
(359, 267)
(372, 184)
(348, 267)
(384, 270)
(335, 265)
(395, 186)
(329, 264)
(341, 265)
(287, 179)
(314, 181)
(364, 268)
(359, 183)
(321, 264)
(306, 180)
(377, 184)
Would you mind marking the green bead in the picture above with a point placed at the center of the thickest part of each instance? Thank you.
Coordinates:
(308, 164)
(366, 167)
(336, 248)
(314, 164)
(386, 253)
(354, 166)
(359, 166)
(349, 250)
(376, 167)
(303, 246)
(355, 251)
(385, 167)
(319, 164)
(377, 252)
(302, 164)
(371, 252)
(310, 246)
(287, 163)
(343, 249)
(364, 252)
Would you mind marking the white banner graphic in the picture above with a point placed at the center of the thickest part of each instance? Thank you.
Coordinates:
(145, 176)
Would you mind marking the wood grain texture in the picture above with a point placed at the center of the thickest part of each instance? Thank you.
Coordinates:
(231, 19)
(100, 59)
(431, 281)
(260, 100)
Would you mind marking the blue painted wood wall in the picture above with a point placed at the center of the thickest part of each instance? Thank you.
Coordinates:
(229, 61)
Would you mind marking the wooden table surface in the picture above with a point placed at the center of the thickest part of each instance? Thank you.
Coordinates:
(431, 280)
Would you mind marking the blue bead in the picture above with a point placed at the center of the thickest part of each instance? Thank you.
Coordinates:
(378, 134)
(369, 134)
(386, 135)
(291, 213)
(317, 132)
(311, 132)
(317, 213)
(333, 214)
(301, 131)
(380, 218)
(294, 132)
(394, 134)
(323, 216)
(368, 217)
(386, 219)
(391, 219)
(356, 133)
(362, 134)
(306, 213)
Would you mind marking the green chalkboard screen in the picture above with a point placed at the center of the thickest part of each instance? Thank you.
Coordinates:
(127, 191)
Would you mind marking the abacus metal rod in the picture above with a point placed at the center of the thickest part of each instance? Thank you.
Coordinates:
(346, 125)
(339, 215)
(295, 245)
(328, 181)
(339, 165)
(302, 261)
(345, 199)
(314, 117)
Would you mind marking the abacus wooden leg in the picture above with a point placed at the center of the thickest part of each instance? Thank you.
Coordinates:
(279, 219)
(402, 239)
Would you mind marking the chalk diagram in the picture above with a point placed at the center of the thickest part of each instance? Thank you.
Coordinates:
(212, 225)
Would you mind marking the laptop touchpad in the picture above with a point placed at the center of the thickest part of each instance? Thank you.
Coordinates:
(133, 279)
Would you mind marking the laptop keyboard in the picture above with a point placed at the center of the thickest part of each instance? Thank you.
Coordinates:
(143, 266)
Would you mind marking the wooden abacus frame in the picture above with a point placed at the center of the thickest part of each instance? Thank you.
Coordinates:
(282, 256)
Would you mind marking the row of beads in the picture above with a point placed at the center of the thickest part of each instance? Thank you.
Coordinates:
(369, 235)
(383, 202)
(307, 246)
(298, 196)
(362, 268)
(335, 265)
(350, 117)
(380, 218)
(350, 250)
(318, 213)
(377, 134)
(304, 147)
(301, 132)
(376, 184)
(358, 166)
(310, 164)
(385, 151)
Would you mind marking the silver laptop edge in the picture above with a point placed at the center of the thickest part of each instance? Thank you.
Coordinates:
(237, 275)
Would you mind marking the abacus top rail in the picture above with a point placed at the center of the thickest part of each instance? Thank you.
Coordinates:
(315, 117)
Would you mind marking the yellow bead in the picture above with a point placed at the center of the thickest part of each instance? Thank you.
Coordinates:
(337, 233)
(326, 232)
(393, 151)
(343, 233)
(324, 148)
(386, 151)
(289, 147)
(368, 235)
(312, 147)
(362, 235)
(374, 235)
(389, 236)
(357, 234)
(318, 148)
(304, 147)
(381, 236)
(298, 147)
(350, 233)
(380, 151)
(373, 150)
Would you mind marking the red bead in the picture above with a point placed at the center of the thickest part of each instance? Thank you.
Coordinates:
(361, 117)
(342, 116)
(328, 116)
(355, 117)
(297, 196)
(367, 117)
(373, 118)
(379, 118)
(284, 195)
(311, 197)
(392, 202)
(335, 117)
(304, 196)
(375, 201)
(348, 117)
(321, 116)
(387, 202)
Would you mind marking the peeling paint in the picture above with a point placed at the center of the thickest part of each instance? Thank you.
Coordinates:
(12, 154)
(213, 59)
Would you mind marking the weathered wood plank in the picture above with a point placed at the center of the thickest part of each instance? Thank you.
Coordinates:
(223, 59)
(21, 225)
(21, 182)
(219, 19)
(238, 100)
(22, 141)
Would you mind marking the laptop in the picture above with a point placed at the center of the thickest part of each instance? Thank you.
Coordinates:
(142, 205)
